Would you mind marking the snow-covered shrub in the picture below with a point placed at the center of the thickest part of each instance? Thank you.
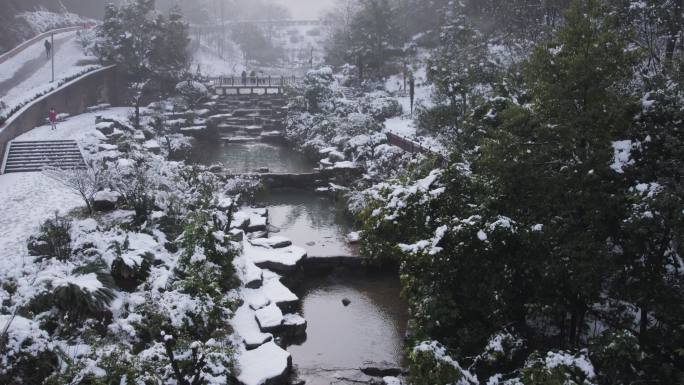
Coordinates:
(53, 240)
(193, 92)
(26, 355)
(348, 75)
(206, 247)
(86, 38)
(430, 364)
(317, 88)
(504, 353)
(345, 107)
(435, 119)
(135, 179)
(559, 368)
(178, 146)
(380, 105)
(42, 20)
(129, 269)
(77, 295)
(352, 125)
(617, 356)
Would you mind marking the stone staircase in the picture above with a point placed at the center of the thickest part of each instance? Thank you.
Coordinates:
(34, 156)
(347, 92)
(249, 118)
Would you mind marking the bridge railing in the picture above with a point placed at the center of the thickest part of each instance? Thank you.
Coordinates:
(254, 81)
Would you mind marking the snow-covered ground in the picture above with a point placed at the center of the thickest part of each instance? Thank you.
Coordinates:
(78, 128)
(28, 199)
(28, 75)
(210, 64)
(405, 125)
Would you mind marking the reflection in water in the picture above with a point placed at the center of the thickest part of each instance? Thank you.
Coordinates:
(309, 220)
(249, 157)
(371, 328)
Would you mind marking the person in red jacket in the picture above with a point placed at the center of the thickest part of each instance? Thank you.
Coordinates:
(53, 118)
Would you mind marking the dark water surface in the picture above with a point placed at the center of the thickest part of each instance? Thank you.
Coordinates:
(341, 338)
(310, 220)
(250, 157)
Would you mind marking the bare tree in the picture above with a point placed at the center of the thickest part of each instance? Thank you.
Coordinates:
(86, 182)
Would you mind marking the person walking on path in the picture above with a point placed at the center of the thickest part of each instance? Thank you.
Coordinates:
(52, 116)
(244, 78)
(48, 48)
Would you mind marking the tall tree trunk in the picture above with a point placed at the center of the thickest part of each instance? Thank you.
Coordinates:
(573, 329)
(675, 28)
(562, 330)
(643, 324)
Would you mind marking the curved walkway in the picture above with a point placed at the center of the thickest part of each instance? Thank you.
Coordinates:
(32, 66)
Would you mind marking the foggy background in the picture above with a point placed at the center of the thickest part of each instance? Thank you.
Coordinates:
(306, 9)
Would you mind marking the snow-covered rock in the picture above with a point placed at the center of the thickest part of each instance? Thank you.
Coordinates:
(354, 237)
(246, 327)
(270, 318)
(272, 242)
(294, 325)
(281, 260)
(105, 200)
(266, 364)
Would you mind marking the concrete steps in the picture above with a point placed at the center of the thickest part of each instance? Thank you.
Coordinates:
(34, 156)
(249, 118)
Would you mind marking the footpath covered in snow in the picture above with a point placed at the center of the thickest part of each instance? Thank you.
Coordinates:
(29, 74)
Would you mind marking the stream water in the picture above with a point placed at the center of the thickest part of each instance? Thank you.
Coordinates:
(340, 339)
(310, 220)
(249, 157)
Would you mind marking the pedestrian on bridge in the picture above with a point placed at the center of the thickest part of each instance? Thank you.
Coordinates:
(244, 78)
(52, 117)
(48, 48)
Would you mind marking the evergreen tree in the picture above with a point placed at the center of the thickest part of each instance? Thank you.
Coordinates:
(374, 35)
(459, 64)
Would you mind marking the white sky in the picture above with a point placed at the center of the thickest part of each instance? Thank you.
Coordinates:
(306, 9)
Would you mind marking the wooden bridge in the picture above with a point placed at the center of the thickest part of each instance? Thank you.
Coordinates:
(253, 85)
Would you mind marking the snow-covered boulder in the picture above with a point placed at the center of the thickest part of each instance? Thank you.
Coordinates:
(270, 318)
(281, 260)
(257, 223)
(267, 364)
(380, 369)
(106, 200)
(278, 293)
(246, 327)
(294, 326)
(152, 146)
(106, 128)
(272, 242)
(354, 237)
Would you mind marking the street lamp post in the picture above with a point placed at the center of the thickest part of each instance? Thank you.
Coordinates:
(52, 56)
